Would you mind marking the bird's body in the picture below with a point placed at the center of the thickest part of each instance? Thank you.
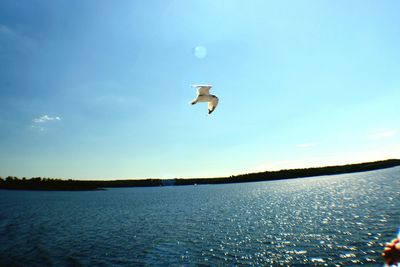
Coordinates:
(203, 95)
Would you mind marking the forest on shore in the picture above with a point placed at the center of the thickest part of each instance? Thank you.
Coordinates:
(40, 183)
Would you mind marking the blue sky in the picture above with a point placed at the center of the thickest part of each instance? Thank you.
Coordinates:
(101, 90)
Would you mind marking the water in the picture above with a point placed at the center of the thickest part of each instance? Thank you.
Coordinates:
(341, 220)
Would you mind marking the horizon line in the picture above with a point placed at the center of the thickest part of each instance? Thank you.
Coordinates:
(214, 177)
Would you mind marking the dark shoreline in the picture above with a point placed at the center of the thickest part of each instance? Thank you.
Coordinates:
(49, 184)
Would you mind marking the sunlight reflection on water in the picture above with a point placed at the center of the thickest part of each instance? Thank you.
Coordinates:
(318, 221)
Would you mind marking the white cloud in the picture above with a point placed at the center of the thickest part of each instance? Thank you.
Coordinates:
(382, 135)
(4, 29)
(307, 145)
(15, 42)
(46, 118)
(38, 128)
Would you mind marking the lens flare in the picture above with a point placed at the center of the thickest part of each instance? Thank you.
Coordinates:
(200, 52)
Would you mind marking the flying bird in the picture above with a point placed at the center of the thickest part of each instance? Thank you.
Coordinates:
(203, 95)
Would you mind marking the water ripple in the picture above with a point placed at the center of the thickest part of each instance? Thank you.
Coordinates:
(339, 220)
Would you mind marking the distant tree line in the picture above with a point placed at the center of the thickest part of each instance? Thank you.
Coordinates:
(39, 183)
(294, 173)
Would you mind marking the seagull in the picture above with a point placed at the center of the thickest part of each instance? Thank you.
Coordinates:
(203, 95)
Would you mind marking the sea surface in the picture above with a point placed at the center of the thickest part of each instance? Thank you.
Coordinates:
(341, 220)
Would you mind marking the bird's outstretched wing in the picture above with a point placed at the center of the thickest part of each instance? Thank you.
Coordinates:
(212, 105)
(203, 89)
